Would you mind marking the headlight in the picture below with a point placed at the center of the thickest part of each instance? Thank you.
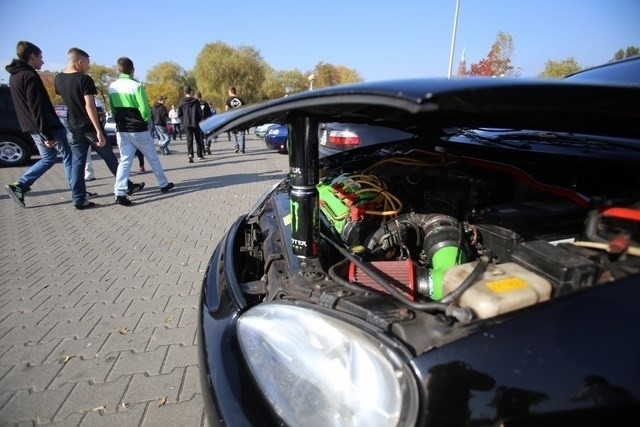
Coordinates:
(317, 370)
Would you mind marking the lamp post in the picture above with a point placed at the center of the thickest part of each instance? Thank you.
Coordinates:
(453, 38)
(311, 78)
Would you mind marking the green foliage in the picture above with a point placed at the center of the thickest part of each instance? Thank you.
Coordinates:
(281, 83)
(103, 76)
(220, 66)
(167, 79)
(628, 53)
(559, 69)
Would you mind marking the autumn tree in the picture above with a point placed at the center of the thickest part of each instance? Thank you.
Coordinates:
(498, 60)
(280, 83)
(626, 53)
(220, 66)
(103, 76)
(559, 69)
(332, 75)
(166, 78)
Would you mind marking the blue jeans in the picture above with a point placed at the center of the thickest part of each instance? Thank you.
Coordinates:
(163, 137)
(48, 158)
(239, 139)
(129, 142)
(80, 143)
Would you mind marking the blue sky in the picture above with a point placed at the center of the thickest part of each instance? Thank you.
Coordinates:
(379, 39)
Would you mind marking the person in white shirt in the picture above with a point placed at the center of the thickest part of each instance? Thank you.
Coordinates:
(175, 121)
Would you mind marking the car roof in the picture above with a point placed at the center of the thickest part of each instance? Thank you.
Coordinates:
(422, 106)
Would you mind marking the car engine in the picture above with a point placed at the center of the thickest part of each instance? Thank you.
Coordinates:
(420, 227)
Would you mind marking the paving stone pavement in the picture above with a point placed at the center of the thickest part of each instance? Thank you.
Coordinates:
(98, 307)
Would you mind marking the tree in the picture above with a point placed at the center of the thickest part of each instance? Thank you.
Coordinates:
(332, 75)
(628, 53)
(559, 69)
(166, 78)
(498, 60)
(102, 77)
(220, 66)
(280, 83)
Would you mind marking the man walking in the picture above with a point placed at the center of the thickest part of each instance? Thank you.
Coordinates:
(160, 121)
(130, 107)
(36, 116)
(206, 112)
(78, 91)
(190, 115)
(175, 122)
(234, 101)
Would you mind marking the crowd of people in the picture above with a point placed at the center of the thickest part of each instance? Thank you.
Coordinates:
(82, 129)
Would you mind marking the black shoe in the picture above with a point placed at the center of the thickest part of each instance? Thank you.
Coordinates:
(167, 187)
(17, 193)
(200, 158)
(190, 158)
(167, 152)
(242, 151)
(122, 200)
(84, 205)
(135, 188)
(91, 195)
(208, 151)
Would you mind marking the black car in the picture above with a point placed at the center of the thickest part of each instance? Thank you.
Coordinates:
(484, 272)
(339, 137)
(16, 147)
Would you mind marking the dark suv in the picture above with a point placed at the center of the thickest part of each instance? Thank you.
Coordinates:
(16, 147)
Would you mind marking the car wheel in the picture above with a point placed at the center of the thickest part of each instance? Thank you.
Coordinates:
(14, 151)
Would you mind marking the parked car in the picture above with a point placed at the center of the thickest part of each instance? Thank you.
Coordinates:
(483, 272)
(110, 130)
(276, 138)
(337, 137)
(16, 147)
(261, 131)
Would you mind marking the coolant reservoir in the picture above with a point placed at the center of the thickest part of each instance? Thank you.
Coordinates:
(502, 288)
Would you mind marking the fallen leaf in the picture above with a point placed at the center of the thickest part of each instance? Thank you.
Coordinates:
(99, 408)
(65, 359)
(123, 330)
(162, 401)
(125, 405)
(168, 319)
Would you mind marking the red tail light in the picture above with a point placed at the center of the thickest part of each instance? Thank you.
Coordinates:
(343, 137)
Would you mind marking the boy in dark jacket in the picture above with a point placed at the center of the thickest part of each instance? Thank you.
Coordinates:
(37, 117)
(206, 112)
(190, 115)
(160, 116)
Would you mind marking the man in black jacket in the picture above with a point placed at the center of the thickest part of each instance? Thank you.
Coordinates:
(206, 112)
(37, 117)
(190, 115)
(160, 116)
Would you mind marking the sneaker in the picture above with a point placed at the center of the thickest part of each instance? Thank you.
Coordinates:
(167, 187)
(242, 151)
(236, 150)
(89, 179)
(208, 150)
(200, 158)
(122, 200)
(142, 170)
(17, 193)
(167, 152)
(190, 158)
(91, 195)
(84, 205)
(135, 188)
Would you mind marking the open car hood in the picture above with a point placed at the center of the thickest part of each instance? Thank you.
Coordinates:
(425, 106)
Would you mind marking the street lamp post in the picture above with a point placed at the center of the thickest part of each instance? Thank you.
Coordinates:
(453, 38)
(311, 78)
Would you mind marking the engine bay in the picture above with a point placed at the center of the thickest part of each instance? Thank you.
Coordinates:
(426, 231)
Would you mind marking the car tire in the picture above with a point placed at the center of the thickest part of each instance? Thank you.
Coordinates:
(14, 151)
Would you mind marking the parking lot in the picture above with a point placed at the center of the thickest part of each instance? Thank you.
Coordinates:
(98, 307)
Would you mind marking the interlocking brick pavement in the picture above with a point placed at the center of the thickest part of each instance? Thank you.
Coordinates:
(98, 308)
